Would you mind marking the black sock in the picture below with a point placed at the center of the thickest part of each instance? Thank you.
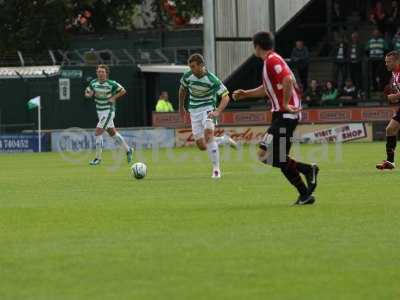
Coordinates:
(391, 142)
(293, 176)
(301, 167)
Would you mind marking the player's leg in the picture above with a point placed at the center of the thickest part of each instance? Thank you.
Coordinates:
(103, 116)
(392, 131)
(99, 146)
(120, 141)
(198, 131)
(226, 140)
(274, 149)
(212, 145)
(213, 151)
(289, 167)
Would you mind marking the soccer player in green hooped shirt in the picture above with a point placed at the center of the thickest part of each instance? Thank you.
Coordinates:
(105, 93)
(204, 89)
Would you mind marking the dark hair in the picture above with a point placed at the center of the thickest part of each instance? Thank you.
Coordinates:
(394, 54)
(263, 39)
(196, 57)
(105, 67)
(333, 83)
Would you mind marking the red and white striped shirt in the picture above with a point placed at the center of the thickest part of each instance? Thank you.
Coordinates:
(396, 80)
(274, 71)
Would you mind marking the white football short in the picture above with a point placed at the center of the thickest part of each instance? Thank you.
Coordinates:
(106, 119)
(200, 122)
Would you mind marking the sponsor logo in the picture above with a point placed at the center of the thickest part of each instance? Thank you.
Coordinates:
(377, 115)
(250, 118)
(334, 115)
(166, 119)
(337, 134)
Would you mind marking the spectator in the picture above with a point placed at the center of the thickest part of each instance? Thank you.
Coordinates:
(312, 97)
(378, 17)
(393, 20)
(396, 40)
(330, 94)
(355, 56)
(340, 61)
(301, 59)
(163, 104)
(338, 18)
(376, 49)
(349, 93)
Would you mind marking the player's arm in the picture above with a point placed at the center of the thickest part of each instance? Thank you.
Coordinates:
(182, 97)
(89, 92)
(394, 98)
(258, 92)
(121, 92)
(222, 105)
(288, 85)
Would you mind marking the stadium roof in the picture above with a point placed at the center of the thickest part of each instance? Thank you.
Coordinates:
(163, 68)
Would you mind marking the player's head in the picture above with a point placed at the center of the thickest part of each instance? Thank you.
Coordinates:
(102, 72)
(392, 60)
(196, 64)
(263, 41)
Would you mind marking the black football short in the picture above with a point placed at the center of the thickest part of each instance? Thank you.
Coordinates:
(396, 116)
(279, 138)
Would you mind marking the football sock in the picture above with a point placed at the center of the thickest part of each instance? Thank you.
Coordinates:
(213, 152)
(221, 140)
(120, 141)
(293, 176)
(99, 146)
(391, 142)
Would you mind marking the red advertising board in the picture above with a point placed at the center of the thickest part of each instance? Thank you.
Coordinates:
(317, 116)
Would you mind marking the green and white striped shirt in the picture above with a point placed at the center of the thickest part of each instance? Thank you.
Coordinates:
(103, 91)
(204, 91)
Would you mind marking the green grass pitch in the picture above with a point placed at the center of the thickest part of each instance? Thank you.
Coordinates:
(71, 231)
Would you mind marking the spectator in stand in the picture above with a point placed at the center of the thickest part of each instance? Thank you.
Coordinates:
(340, 61)
(163, 104)
(393, 19)
(301, 59)
(378, 17)
(338, 18)
(349, 93)
(396, 40)
(355, 57)
(312, 96)
(376, 50)
(330, 94)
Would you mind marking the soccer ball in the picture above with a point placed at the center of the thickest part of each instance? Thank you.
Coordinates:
(138, 170)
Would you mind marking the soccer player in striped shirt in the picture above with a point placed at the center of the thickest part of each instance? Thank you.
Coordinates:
(105, 93)
(204, 89)
(281, 88)
(392, 61)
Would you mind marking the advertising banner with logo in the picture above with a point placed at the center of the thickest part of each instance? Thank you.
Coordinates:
(246, 135)
(304, 133)
(334, 133)
(23, 142)
(78, 139)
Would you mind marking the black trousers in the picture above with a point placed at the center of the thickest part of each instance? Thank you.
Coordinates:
(303, 76)
(377, 74)
(356, 74)
(340, 73)
(279, 137)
